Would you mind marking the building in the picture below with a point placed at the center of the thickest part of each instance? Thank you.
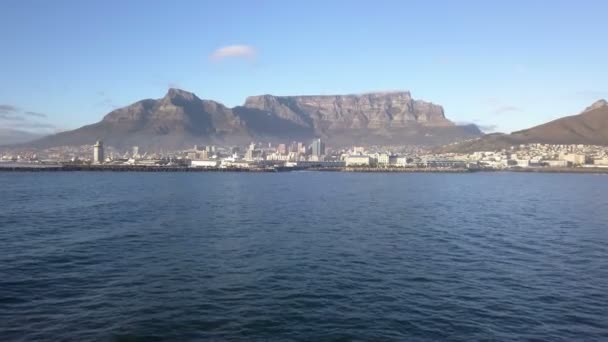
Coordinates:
(135, 151)
(574, 158)
(249, 155)
(555, 163)
(231, 163)
(358, 160)
(318, 148)
(358, 150)
(293, 147)
(282, 149)
(601, 161)
(205, 163)
(98, 152)
(316, 158)
(401, 162)
(444, 163)
(383, 159)
(519, 162)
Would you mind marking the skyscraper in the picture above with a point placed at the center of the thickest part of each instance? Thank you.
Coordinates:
(98, 152)
(318, 148)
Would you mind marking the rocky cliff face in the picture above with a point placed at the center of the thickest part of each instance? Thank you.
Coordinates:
(340, 112)
(181, 119)
(178, 112)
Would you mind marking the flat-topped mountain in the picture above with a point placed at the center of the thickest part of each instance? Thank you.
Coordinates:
(373, 110)
(589, 127)
(182, 119)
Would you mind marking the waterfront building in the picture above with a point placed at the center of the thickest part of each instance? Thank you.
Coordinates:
(601, 161)
(205, 163)
(383, 159)
(249, 154)
(358, 160)
(318, 148)
(98, 152)
(555, 163)
(232, 163)
(401, 161)
(316, 158)
(574, 158)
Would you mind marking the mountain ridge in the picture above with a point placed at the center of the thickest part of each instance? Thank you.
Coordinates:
(181, 119)
(588, 127)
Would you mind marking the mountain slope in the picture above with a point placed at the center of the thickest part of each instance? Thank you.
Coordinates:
(590, 127)
(181, 119)
(13, 136)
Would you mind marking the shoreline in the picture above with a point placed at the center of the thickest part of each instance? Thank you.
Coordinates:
(130, 168)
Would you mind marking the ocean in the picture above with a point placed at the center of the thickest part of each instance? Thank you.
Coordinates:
(303, 256)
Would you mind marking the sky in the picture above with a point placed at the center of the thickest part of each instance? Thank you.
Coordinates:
(503, 65)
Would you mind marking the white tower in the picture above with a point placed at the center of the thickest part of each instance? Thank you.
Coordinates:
(98, 152)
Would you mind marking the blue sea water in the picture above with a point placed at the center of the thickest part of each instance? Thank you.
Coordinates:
(303, 256)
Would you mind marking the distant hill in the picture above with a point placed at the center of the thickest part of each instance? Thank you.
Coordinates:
(13, 136)
(181, 119)
(588, 127)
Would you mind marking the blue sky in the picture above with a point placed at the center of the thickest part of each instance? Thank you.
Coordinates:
(505, 65)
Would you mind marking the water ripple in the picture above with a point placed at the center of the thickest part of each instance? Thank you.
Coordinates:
(303, 257)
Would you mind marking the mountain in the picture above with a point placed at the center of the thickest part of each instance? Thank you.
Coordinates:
(179, 119)
(589, 127)
(182, 119)
(13, 136)
(373, 118)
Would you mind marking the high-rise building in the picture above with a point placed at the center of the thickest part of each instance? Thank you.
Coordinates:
(98, 152)
(293, 147)
(136, 151)
(318, 148)
(249, 154)
(282, 149)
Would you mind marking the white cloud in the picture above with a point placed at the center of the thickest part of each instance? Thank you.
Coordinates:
(233, 51)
